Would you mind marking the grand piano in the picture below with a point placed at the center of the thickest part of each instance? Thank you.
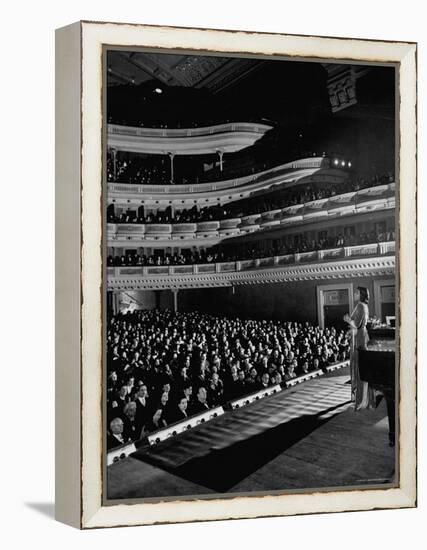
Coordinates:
(378, 367)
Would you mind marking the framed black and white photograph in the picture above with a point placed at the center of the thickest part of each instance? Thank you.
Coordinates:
(236, 303)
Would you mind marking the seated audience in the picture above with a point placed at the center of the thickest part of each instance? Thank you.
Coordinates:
(155, 359)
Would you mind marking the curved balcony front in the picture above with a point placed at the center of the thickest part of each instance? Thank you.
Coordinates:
(228, 138)
(368, 200)
(343, 262)
(308, 170)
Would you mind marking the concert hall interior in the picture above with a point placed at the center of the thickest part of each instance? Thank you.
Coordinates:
(246, 202)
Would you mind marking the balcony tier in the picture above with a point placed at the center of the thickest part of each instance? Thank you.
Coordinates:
(368, 200)
(338, 263)
(228, 138)
(309, 170)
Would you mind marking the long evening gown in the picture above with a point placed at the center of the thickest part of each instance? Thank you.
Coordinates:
(362, 395)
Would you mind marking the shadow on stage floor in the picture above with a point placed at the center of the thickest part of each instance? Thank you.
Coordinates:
(221, 469)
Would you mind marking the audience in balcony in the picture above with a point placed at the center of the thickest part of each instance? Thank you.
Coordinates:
(169, 366)
(141, 171)
(249, 251)
(244, 207)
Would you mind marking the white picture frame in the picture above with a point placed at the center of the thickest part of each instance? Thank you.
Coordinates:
(79, 273)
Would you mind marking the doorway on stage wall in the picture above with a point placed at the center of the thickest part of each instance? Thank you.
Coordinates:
(384, 301)
(333, 302)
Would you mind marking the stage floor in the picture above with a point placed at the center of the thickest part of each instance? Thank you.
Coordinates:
(306, 437)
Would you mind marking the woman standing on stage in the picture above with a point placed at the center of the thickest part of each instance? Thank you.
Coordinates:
(361, 394)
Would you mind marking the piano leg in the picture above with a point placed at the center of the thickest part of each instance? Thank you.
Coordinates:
(389, 397)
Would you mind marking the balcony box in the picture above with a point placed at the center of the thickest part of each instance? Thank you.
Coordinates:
(206, 268)
(130, 270)
(338, 201)
(249, 220)
(229, 266)
(332, 253)
(179, 269)
(207, 226)
(158, 229)
(270, 215)
(246, 264)
(286, 259)
(130, 229)
(158, 270)
(364, 250)
(264, 262)
(292, 214)
(184, 228)
(229, 224)
(316, 209)
(311, 256)
(207, 235)
(207, 229)
(249, 229)
(372, 193)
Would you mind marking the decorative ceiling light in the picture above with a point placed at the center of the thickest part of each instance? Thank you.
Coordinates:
(158, 90)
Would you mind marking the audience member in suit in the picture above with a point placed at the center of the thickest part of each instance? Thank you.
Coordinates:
(265, 381)
(132, 427)
(241, 386)
(277, 379)
(112, 384)
(182, 379)
(201, 380)
(200, 404)
(179, 412)
(252, 382)
(230, 383)
(119, 401)
(163, 405)
(187, 392)
(215, 390)
(142, 404)
(156, 421)
(115, 437)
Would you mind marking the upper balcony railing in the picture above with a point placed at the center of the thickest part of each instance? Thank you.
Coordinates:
(230, 137)
(227, 127)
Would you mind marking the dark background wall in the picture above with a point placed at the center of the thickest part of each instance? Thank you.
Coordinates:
(287, 301)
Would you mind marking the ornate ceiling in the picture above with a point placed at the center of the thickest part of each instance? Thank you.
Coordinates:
(213, 73)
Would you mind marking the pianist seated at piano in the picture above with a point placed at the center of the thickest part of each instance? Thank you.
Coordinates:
(362, 394)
